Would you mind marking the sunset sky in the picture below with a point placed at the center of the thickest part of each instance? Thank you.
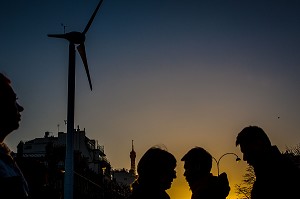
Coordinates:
(176, 74)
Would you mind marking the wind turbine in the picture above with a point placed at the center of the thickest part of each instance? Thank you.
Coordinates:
(74, 38)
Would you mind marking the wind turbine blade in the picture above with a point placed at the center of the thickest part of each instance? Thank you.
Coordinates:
(57, 35)
(81, 50)
(92, 18)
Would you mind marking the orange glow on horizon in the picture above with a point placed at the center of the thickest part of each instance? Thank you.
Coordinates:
(181, 190)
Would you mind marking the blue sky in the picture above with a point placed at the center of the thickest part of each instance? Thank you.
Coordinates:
(173, 73)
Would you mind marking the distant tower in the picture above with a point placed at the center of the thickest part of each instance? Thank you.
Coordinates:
(132, 158)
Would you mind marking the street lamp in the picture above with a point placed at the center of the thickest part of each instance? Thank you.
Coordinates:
(218, 161)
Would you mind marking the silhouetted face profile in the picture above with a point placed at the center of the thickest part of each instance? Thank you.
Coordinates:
(254, 143)
(252, 152)
(157, 166)
(197, 164)
(167, 178)
(190, 173)
(9, 108)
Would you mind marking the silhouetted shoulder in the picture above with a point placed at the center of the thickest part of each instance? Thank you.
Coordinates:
(223, 185)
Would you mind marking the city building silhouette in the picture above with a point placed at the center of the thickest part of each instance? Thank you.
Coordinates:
(43, 161)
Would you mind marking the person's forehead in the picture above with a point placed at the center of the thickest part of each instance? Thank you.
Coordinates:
(7, 92)
(247, 146)
(187, 164)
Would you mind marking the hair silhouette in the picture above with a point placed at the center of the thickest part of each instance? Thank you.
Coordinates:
(154, 163)
(252, 133)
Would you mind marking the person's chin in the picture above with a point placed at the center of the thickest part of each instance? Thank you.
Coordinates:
(168, 186)
(251, 163)
(190, 184)
(14, 127)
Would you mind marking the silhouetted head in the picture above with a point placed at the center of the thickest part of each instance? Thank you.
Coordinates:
(197, 163)
(157, 166)
(253, 143)
(9, 108)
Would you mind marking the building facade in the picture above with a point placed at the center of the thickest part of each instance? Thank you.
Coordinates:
(88, 149)
(42, 161)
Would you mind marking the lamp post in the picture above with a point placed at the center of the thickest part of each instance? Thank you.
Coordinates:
(218, 161)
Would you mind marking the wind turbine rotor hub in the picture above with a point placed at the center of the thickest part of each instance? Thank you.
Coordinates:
(75, 37)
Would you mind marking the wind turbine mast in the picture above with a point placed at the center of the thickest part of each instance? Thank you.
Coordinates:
(74, 38)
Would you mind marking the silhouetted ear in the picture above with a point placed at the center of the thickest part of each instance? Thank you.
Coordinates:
(261, 146)
(253, 145)
(197, 166)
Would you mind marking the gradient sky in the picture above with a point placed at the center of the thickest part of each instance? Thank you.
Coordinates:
(172, 73)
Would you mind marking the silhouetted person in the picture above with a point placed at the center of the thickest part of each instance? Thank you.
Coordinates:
(156, 171)
(12, 182)
(197, 165)
(276, 175)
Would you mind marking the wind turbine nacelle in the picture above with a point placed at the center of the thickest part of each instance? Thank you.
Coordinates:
(73, 37)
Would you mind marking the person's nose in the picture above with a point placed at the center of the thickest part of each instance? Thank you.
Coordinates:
(20, 108)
